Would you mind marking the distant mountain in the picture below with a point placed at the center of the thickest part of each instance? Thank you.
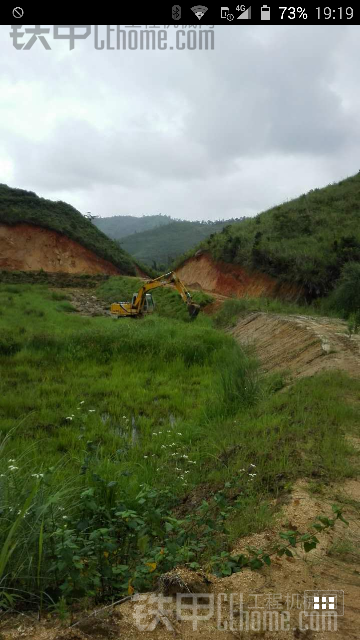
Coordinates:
(117, 227)
(20, 206)
(160, 246)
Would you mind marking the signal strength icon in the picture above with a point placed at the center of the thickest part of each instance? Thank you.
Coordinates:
(199, 10)
(246, 15)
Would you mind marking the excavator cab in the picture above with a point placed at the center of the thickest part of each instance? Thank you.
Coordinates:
(148, 304)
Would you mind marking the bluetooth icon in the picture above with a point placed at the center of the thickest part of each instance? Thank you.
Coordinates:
(176, 12)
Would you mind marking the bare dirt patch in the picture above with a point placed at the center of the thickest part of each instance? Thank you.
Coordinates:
(231, 279)
(25, 247)
(87, 304)
(303, 345)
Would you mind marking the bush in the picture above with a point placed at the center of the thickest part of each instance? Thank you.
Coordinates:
(346, 296)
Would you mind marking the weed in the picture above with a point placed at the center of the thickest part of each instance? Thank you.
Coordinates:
(345, 549)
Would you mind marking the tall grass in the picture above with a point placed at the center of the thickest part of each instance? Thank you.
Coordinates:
(94, 410)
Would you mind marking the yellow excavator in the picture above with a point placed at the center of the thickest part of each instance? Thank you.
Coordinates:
(143, 303)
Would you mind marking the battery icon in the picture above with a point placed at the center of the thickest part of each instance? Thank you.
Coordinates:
(265, 12)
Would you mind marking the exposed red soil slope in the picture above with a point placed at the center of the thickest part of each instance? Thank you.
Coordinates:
(25, 247)
(232, 279)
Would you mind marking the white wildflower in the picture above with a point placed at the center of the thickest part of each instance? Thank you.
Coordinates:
(145, 456)
(253, 465)
(91, 410)
(179, 434)
(11, 460)
(12, 468)
(68, 418)
(82, 402)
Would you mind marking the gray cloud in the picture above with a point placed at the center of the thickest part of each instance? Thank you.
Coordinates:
(267, 115)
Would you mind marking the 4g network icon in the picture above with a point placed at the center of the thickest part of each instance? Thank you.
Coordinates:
(245, 13)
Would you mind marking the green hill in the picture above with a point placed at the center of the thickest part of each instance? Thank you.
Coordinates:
(17, 205)
(117, 227)
(159, 247)
(307, 240)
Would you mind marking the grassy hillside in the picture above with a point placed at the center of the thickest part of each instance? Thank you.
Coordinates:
(117, 227)
(163, 245)
(17, 205)
(131, 446)
(307, 240)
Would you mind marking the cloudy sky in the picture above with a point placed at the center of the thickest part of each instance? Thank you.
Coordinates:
(270, 113)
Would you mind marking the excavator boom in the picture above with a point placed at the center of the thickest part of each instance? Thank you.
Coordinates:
(142, 300)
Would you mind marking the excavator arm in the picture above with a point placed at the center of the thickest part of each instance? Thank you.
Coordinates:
(167, 278)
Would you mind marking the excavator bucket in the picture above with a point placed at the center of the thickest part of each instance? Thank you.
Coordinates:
(193, 310)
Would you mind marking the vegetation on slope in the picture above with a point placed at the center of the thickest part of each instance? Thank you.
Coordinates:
(161, 246)
(20, 206)
(306, 241)
(99, 415)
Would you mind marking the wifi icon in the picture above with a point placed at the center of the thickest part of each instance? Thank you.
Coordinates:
(199, 10)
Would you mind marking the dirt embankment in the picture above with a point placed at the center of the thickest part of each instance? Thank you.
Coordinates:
(25, 247)
(303, 345)
(232, 279)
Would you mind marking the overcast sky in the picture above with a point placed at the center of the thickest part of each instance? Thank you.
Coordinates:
(270, 113)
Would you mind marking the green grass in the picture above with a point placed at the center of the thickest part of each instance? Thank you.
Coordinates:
(106, 408)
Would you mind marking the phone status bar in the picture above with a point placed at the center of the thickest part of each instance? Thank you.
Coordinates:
(187, 15)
